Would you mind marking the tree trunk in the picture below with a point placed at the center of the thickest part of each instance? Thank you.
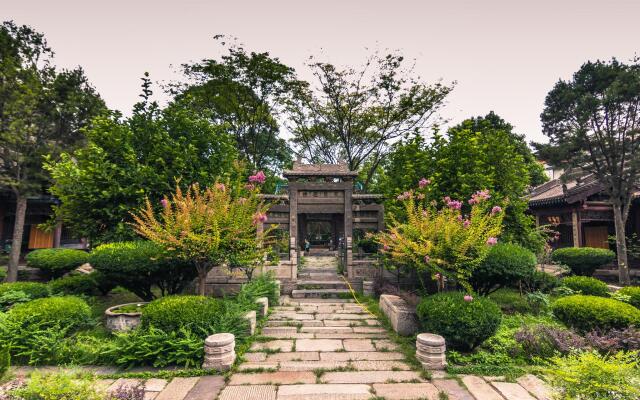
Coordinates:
(203, 271)
(16, 243)
(621, 245)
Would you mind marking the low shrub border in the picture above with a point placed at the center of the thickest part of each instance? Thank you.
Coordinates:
(583, 260)
(586, 285)
(56, 262)
(634, 294)
(588, 313)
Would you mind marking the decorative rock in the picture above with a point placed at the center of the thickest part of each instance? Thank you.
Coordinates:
(430, 351)
(263, 302)
(219, 353)
(402, 317)
(251, 320)
(367, 288)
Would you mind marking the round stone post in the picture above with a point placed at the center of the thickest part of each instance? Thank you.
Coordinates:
(367, 288)
(430, 351)
(219, 352)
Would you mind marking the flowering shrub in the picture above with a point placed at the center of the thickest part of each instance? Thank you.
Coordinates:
(215, 226)
(439, 238)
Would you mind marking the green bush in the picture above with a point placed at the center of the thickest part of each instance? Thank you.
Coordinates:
(583, 260)
(5, 361)
(9, 299)
(70, 312)
(505, 265)
(540, 281)
(586, 285)
(589, 375)
(34, 290)
(61, 386)
(82, 285)
(3, 273)
(634, 294)
(261, 286)
(588, 313)
(141, 265)
(200, 315)
(464, 324)
(511, 301)
(56, 262)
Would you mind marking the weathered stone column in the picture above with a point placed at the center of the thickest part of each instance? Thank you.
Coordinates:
(263, 302)
(348, 228)
(367, 288)
(219, 352)
(430, 351)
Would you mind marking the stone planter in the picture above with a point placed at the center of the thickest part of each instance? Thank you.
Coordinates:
(122, 322)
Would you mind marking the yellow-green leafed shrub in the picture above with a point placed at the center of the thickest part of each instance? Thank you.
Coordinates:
(586, 285)
(634, 294)
(34, 290)
(58, 387)
(70, 312)
(588, 313)
(591, 376)
(56, 262)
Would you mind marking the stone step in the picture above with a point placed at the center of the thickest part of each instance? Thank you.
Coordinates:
(323, 391)
(370, 377)
(319, 293)
(323, 284)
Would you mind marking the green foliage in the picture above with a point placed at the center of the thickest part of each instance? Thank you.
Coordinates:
(589, 375)
(261, 286)
(34, 290)
(182, 347)
(210, 227)
(200, 315)
(634, 294)
(126, 160)
(442, 240)
(140, 266)
(506, 264)
(583, 260)
(80, 284)
(5, 361)
(587, 313)
(540, 281)
(464, 324)
(56, 262)
(59, 386)
(8, 299)
(71, 312)
(511, 301)
(586, 285)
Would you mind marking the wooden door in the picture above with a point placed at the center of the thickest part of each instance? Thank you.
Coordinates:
(596, 236)
(39, 239)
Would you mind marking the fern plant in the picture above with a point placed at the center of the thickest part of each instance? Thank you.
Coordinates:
(438, 238)
(219, 225)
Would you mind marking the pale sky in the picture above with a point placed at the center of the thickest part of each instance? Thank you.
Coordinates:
(504, 54)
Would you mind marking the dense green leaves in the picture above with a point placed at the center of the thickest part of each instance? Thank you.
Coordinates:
(506, 264)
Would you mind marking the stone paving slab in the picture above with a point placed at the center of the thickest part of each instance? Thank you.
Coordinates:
(207, 388)
(352, 335)
(406, 391)
(254, 357)
(292, 316)
(453, 389)
(361, 356)
(342, 316)
(294, 356)
(480, 389)
(124, 382)
(370, 377)
(292, 335)
(535, 386)
(358, 345)
(248, 392)
(177, 389)
(341, 322)
(311, 365)
(368, 329)
(155, 385)
(312, 322)
(512, 391)
(322, 392)
(326, 329)
(258, 365)
(269, 330)
(282, 345)
(274, 378)
(385, 344)
(318, 345)
(380, 366)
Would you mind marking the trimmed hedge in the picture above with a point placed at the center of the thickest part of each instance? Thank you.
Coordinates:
(68, 312)
(586, 285)
(464, 324)
(200, 315)
(588, 313)
(74, 284)
(34, 290)
(139, 266)
(583, 260)
(506, 264)
(634, 293)
(56, 262)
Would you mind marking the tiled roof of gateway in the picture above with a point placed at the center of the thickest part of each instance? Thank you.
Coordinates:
(556, 191)
(300, 169)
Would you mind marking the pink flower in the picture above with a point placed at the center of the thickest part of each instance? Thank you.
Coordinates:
(423, 182)
(164, 203)
(259, 218)
(405, 196)
(249, 186)
(242, 200)
(479, 196)
(420, 196)
(427, 259)
(466, 223)
(221, 187)
(491, 241)
(495, 210)
(454, 204)
(468, 298)
(385, 247)
(259, 178)
(460, 217)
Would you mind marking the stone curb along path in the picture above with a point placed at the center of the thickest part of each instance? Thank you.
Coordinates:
(332, 349)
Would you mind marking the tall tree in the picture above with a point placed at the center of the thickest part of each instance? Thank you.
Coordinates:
(126, 160)
(42, 112)
(355, 115)
(593, 124)
(246, 92)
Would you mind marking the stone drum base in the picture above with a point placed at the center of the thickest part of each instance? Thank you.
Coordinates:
(430, 351)
(219, 352)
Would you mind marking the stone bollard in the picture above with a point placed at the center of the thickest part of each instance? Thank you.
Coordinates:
(367, 288)
(430, 351)
(251, 320)
(263, 302)
(219, 352)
